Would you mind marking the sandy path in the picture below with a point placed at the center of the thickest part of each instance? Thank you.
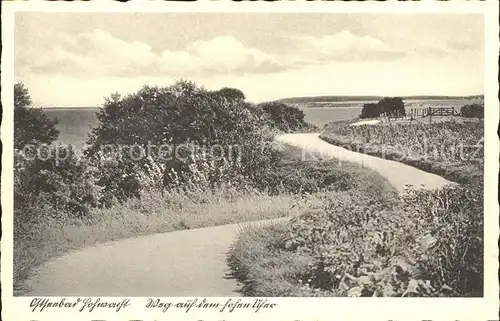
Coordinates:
(397, 173)
(184, 263)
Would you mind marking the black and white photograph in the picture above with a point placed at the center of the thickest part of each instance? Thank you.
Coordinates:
(249, 154)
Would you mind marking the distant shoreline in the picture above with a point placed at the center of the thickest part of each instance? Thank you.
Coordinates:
(364, 99)
(341, 101)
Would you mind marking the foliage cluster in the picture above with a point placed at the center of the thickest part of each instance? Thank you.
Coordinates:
(31, 125)
(285, 117)
(475, 110)
(310, 177)
(192, 123)
(430, 245)
(392, 106)
(50, 180)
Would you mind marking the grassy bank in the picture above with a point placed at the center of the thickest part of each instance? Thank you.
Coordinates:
(290, 189)
(351, 243)
(153, 213)
(450, 149)
(431, 244)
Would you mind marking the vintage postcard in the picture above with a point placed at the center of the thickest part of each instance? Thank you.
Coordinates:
(240, 161)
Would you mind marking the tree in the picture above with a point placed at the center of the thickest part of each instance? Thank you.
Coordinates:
(21, 96)
(370, 110)
(231, 93)
(58, 182)
(31, 126)
(392, 106)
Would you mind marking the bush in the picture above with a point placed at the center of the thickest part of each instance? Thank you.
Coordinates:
(191, 122)
(475, 110)
(231, 93)
(450, 224)
(56, 181)
(284, 117)
(299, 177)
(50, 181)
(392, 106)
(370, 110)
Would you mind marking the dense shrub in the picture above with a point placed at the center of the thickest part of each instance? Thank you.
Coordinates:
(231, 93)
(392, 106)
(371, 110)
(193, 123)
(50, 181)
(57, 178)
(431, 247)
(283, 116)
(475, 110)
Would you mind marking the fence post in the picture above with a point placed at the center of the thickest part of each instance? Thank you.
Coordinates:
(430, 115)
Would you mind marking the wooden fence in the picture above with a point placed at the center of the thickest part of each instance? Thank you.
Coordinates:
(418, 112)
(441, 111)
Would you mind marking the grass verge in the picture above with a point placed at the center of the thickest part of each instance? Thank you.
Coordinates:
(153, 213)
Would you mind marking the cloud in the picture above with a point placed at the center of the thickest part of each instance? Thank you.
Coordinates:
(99, 54)
(341, 46)
(463, 45)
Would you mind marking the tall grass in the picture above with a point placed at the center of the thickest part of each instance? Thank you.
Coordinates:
(152, 213)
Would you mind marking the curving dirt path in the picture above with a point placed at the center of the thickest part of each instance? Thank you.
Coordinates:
(181, 263)
(398, 174)
(184, 263)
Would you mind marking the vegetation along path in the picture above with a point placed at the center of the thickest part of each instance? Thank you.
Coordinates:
(189, 262)
(397, 173)
(181, 263)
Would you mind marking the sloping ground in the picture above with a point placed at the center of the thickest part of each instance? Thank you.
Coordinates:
(397, 173)
(182, 263)
(189, 262)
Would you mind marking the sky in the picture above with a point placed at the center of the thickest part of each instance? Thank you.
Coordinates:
(78, 59)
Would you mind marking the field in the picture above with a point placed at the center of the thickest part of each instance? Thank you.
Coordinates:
(452, 149)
